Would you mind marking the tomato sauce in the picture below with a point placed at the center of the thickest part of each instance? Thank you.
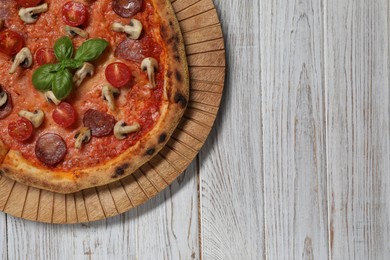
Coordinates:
(136, 103)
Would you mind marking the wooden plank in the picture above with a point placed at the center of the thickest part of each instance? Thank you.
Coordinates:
(71, 211)
(45, 208)
(172, 219)
(213, 59)
(197, 8)
(16, 200)
(294, 130)
(231, 182)
(59, 208)
(113, 238)
(6, 186)
(107, 201)
(93, 204)
(199, 21)
(3, 237)
(31, 206)
(357, 98)
(213, 45)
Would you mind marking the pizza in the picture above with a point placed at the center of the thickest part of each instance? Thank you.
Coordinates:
(89, 90)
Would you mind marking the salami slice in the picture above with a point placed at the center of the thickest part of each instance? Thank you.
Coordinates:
(126, 8)
(137, 50)
(129, 49)
(100, 123)
(50, 149)
(6, 109)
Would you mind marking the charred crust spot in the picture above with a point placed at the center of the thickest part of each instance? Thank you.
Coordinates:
(180, 99)
(164, 31)
(150, 151)
(176, 39)
(170, 23)
(120, 170)
(175, 48)
(177, 57)
(178, 76)
(162, 138)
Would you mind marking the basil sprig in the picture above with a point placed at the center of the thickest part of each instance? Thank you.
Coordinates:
(59, 77)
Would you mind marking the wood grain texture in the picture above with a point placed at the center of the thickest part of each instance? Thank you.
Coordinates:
(168, 219)
(296, 167)
(3, 237)
(174, 220)
(110, 200)
(171, 216)
(231, 182)
(357, 100)
(293, 98)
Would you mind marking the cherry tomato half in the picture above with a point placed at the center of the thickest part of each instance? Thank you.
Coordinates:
(10, 42)
(64, 114)
(21, 129)
(27, 3)
(74, 14)
(118, 74)
(45, 56)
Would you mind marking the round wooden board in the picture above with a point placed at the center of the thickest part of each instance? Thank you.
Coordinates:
(206, 59)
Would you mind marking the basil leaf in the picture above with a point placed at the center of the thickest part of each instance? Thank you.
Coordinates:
(71, 64)
(63, 48)
(91, 50)
(42, 78)
(55, 67)
(62, 84)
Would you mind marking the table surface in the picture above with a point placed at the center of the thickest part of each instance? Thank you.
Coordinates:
(297, 165)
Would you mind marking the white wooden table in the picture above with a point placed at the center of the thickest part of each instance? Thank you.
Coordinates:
(298, 163)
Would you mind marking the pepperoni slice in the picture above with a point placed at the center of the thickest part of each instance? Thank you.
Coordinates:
(126, 8)
(50, 149)
(10, 42)
(6, 109)
(100, 123)
(137, 50)
(45, 56)
(129, 49)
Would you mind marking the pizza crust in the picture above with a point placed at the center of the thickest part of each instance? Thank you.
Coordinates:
(175, 99)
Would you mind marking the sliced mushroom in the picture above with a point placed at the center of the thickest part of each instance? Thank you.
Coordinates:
(3, 97)
(50, 97)
(73, 31)
(30, 15)
(83, 136)
(109, 94)
(121, 130)
(36, 117)
(79, 76)
(23, 58)
(133, 30)
(150, 65)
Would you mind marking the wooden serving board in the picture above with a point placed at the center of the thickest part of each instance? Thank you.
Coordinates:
(206, 59)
